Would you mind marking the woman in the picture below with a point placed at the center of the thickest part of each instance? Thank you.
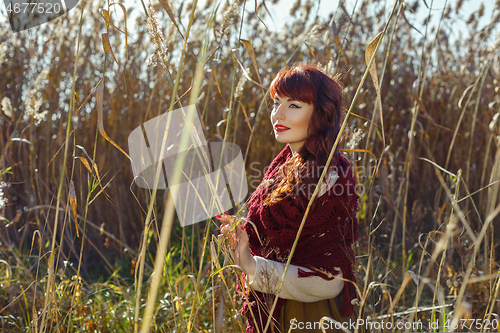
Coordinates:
(307, 116)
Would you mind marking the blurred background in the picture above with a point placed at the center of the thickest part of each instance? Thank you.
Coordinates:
(429, 171)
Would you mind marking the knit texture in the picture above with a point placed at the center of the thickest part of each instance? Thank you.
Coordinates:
(325, 241)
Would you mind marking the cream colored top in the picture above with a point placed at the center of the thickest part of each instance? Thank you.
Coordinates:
(268, 275)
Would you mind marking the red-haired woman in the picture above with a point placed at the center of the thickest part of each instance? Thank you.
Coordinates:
(307, 116)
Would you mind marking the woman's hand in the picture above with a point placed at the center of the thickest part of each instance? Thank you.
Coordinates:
(238, 242)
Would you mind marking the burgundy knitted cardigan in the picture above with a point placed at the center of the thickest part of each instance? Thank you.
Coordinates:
(325, 241)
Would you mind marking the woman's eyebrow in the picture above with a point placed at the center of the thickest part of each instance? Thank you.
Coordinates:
(288, 100)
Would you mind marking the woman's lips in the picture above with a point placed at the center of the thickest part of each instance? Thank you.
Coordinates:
(281, 128)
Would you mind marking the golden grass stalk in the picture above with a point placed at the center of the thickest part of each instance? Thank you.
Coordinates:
(170, 209)
(372, 122)
(49, 292)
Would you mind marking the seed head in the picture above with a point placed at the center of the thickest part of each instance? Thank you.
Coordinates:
(314, 36)
(7, 107)
(355, 139)
(3, 199)
(156, 37)
(3, 51)
(33, 106)
(230, 15)
(42, 76)
(295, 7)
(327, 69)
(480, 11)
(241, 85)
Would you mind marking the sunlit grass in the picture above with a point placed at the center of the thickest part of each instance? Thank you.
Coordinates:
(425, 149)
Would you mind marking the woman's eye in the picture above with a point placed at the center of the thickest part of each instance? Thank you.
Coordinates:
(293, 106)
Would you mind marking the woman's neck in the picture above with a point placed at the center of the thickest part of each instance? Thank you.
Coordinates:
(295, 147)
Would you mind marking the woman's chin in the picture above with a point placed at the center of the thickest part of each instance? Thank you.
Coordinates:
(279, 137)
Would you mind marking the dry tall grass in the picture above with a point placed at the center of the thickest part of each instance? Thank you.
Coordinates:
(79, 240)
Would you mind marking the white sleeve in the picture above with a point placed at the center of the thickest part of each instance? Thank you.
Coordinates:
(268, 275)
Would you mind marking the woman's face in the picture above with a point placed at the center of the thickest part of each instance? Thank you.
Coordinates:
(290, 119)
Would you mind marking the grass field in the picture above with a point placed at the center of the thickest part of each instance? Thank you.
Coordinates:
(80, 241)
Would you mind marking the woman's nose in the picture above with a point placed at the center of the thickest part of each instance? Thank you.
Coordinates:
(278, 113)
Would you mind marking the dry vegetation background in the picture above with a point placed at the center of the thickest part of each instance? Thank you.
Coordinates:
(428, 221)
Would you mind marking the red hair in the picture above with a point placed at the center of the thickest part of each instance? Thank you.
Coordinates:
(306, 83)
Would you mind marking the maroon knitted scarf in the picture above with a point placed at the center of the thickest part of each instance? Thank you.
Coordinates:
(325, 241)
